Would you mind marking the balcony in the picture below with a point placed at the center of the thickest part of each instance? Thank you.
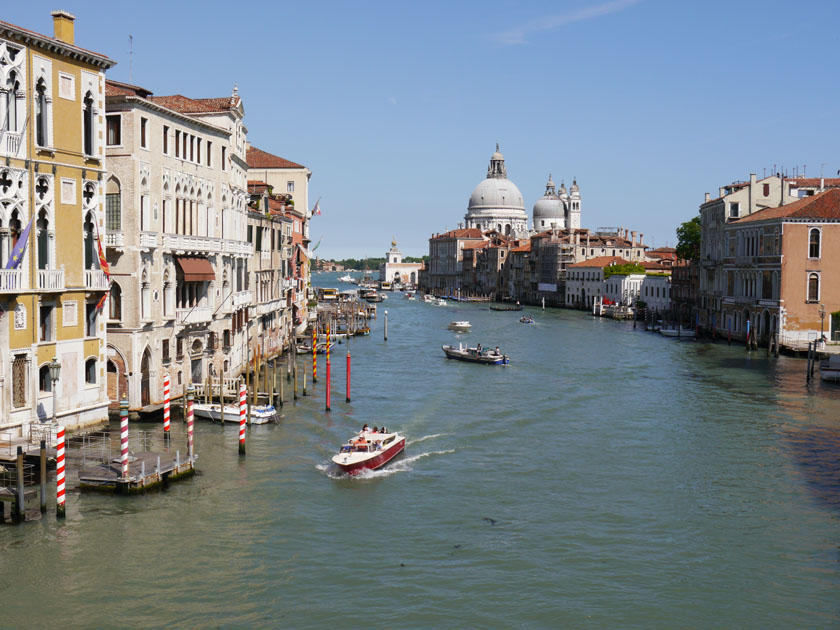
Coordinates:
(114, 239)
(11, 142)
(51, 279)
(148, 239)
(10, 280)
(238, 247)
(241, 298)
(96, 280)
(190, 243)
(196, 315)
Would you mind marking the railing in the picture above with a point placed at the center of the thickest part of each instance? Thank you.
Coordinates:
(241, 298)
(192, 243)
(194, 315)
(238, 247)
(114, 239)
(265, 255)
(51, 279)
(12, 142)
(148, 239)
(95, 279)
(10, 279)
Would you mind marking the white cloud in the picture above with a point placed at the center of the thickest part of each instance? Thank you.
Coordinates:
(552, 22)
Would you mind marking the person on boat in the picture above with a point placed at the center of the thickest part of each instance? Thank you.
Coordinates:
(383, 430)
(375, 430)
(364, 429)
(497, 350)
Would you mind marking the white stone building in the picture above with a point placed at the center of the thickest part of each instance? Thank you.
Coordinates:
(395, 270)
(496, 203)
(557, 210)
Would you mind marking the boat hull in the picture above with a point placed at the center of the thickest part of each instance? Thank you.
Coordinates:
(376, 460)
(475, 357)
(262, 414)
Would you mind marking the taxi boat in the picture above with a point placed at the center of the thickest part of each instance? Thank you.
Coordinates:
(369, 450)
(476, 355)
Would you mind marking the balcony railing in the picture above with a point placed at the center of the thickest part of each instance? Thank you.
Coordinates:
(241, 298)
(11, 142)
(238, 247)
(51, 279)
(114, 239)
(194, 315)
(95, 279)
(10, 280)
(148, 239)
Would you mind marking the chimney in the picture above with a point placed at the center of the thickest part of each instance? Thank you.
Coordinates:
(63, 26)
(708, 196)
(822, 184)
(752, 179)
(721, 191)
(633, 242)
(641, 238)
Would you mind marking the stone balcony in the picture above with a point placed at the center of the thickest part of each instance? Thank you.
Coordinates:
(195, 315)
(241, 298)
(51, 279)
(114, 239)
(10, 280)
(148, 239)
(11, 142)
(96, 280)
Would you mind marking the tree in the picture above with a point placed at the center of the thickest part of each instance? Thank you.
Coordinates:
(688, 239)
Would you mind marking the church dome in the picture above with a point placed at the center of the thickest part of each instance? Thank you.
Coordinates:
(496, 194)
(549, 206)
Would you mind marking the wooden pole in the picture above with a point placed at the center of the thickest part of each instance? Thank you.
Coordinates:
(43, 476)
(20, 507)
(347, 399)
(265, 378)
(271, 386)
(294, 370)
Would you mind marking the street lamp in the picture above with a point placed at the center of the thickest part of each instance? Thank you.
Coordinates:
(55, 372)
(822, 319)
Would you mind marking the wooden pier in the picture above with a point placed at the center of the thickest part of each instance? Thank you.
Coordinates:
(145, 471)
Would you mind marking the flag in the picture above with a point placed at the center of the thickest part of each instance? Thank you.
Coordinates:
(317, 209)
(102, 300)
(103, 263)
(20, 247)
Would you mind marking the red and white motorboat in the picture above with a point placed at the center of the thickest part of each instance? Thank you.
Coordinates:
(369, 450)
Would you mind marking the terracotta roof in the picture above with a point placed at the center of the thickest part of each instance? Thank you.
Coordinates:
(116, 88)
(814, 182)
(461, 233)
(601, 262)
(824, 205)
(653, 266)
(57, 41)
(477, 245)
(522, 248)
(185, 105)
(257, 158)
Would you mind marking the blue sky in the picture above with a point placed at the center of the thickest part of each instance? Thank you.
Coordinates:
(396, 107)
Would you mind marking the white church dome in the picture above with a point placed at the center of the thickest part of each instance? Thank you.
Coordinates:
(497, 192)
(549, 206)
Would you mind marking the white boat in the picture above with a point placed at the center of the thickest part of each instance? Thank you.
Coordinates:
(384, 296)
(462, 326)
(830, 368)
(369, 450)
(346, 278)
(428, 298)
(687, 333)
(440, 302)
(260, 414)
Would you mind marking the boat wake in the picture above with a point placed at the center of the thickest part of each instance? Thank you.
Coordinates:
(403, 464)
(426, 437)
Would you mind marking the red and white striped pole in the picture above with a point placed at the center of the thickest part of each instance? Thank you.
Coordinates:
(315, 353)
(243, 406)
(348, 378)
(59, 475)
(166, 404)
(190, 419)
(124, 437)
(328, 345)
(328, 385)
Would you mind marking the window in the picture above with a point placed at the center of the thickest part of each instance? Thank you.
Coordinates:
(209, 153)
(114, 130)
(41, 113)
(224, 158)
(90, 371)
(177, 145)
(91, 317)
(44, 382)
(766, 190)
(115, 302)
(734, 209)
(46, 313)
(290, 187)
(198, 150)
(814, 243)
(192, 149)
(184, 145)
(164, 350)
(813, 287)
(165, 140)
(144, 123)
(11, 119)
(87, 124)
(179, 348)
(113, 213)
(226, 338)
(20, 369)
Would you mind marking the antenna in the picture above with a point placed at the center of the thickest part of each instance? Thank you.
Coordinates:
(822, 164)
(130, 57)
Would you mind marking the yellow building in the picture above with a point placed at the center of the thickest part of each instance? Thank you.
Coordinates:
(52, 162)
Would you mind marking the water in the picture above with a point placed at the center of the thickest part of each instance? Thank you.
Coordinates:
(606, 478)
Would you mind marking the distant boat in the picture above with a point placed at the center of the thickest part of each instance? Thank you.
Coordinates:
(475, 355)
(526, 319)
(460, 326)
(688, 333)
(260, 414)
(506, 308)
(346, 278)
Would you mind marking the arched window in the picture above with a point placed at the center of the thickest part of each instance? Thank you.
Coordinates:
(44, 382)
(11, 120)
(814, 243)
(90, 371)
(41, 113)
(42, 227)
(813, 287)
(145, 297)
(113, 207)
(87, 124)
(115, 302)
(91, 256)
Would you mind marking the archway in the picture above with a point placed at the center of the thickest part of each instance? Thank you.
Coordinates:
(145, 379)
(117, 380)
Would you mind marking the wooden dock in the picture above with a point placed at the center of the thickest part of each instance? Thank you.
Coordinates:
(146, 470)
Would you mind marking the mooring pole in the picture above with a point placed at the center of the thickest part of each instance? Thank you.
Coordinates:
(167, 395)
(59, 474)
(20, 507)
(329, 383)
(222, 397)
(304, 382)
(243, 403)
(190, 420)
(386, 325)
(315, 353)
(43, 476)
(348, 378)
(124, 436)
(295, 384)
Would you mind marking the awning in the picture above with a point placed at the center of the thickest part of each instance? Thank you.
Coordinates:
(303, 255)
(196, 269)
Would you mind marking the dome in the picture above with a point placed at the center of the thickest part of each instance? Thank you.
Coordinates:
(549, 206)
(574, 189)
(496, 194)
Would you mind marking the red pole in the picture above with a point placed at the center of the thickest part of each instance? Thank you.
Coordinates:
(328, 385)
(348, 378)
(166, 406)
(243, 404)
(59, 474)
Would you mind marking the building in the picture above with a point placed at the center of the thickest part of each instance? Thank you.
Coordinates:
(496, 203)
(558, 210)
(394, 270)
(780, 267)
(585, 281)
(176, 220)
(446, 256)
(51, 215)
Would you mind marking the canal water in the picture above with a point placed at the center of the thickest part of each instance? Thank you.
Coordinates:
(607, 477)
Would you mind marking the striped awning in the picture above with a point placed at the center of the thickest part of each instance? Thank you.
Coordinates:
(196, 269)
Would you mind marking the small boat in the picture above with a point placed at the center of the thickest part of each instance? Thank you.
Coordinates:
(408, 294)
(384, 296)
(440, 302)
(462, 326)
(365, 330)
(412, 298)
(830, 368)
(428, 298)
(688, 333)
(346, 278)
(260, 414)
(506, 308)
(369, 450)
(476, 355)
(526, 319)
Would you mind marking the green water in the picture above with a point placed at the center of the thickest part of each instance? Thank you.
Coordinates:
(606, 478)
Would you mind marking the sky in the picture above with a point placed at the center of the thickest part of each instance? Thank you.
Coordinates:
(396, 107)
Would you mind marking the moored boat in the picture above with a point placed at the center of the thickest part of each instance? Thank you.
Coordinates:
(346, 278)
(830, 368)
(460, 326)
(476, 355)
(506, 308)
(260, 414)
(688, 333)
(369, 450)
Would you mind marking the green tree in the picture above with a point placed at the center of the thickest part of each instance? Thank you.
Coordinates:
(688, 239)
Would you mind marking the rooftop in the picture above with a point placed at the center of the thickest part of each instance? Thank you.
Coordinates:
(824, 205)
(600, 262)
(258, 158)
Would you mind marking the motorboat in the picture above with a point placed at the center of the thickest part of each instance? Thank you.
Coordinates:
(383, 296)
(526, 319)
(429, 298)
(408, 294)
(688, 333)
(830, 368)
(441, 302)
(476, 355)
(369, 450)
(462, 326)
(346, 278)
(260, 414)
